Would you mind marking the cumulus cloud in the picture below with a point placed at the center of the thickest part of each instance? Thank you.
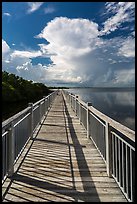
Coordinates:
(121, 12)
(11, 59)
(77, 51)
(5, 47)
(5, 52)
(33, 6)
(68, 34)
(79, 55)
(70, 47)
(125, 76)
(27, 54)
(128, 48)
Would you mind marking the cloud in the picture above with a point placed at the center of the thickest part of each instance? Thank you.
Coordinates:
(128, 48)
(69, 36)
(77, 51)
(125, 76)
(121, 12)
(79, 56)
(49, 9)
(5, 47)
(27, 54)
(7, 14)
(33, 6)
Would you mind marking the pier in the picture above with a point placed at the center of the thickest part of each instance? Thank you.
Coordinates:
(63, 150)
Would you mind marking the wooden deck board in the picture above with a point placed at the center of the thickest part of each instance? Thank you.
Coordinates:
(61, 164)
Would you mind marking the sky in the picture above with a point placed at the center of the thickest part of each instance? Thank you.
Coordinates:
(86, 44)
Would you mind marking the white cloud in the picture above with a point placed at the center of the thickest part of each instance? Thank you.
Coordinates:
(49, 9)
(122, 12)
(33, 6)
(5, 52)
(27, 54)
(5, 47)
(31, 72)
(68, 36)
(7, 14)
(125, 76)
(69, 45)
(77, 51)
(78, 55)
(128, 48)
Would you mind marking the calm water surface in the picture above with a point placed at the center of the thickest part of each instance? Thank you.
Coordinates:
(117, 103)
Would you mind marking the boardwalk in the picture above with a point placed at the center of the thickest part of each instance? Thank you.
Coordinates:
(61, 164)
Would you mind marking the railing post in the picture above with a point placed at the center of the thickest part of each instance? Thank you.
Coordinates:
(76, 104)
(48, 102)
(71, 100)
(88, 104)
(46, 107)
(31, 119)
(44, 104)
(40, 113)
(79, 112)
(11, 150)
(108, 150)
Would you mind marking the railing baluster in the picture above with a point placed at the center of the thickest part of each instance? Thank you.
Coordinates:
(123, 172)
(117, 142)
(108, 150)
(116, 157)
(88, 121)
(113, 153)
(131, 176)
(11, 150)
(76, 105)
(119, 152)
(44, 105)
(17, 131)
(79, 112)
(31, 119)
(119, 161)
(127, 190)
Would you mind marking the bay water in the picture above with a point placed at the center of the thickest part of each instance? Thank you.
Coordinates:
(117, 103)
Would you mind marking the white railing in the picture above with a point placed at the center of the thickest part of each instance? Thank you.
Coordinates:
(114, 141)
(19, 129)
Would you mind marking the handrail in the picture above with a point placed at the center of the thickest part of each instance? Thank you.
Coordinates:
(114, 141)
(18, 130)
(14, 117)
(123, 129)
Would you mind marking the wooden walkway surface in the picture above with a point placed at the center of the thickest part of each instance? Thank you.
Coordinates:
(61, 164)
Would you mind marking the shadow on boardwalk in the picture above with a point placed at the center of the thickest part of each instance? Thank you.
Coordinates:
(47, 174)
(89, 189)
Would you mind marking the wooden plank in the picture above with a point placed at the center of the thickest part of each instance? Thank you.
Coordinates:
(61, 165)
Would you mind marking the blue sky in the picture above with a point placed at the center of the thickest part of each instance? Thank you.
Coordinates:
(70, 43)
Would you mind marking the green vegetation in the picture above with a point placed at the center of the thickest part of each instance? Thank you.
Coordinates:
(15, 88)
(17, 92)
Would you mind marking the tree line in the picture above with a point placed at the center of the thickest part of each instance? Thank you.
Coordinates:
(15, 89)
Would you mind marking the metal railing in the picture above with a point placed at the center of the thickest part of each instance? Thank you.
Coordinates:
(19, 129)
(114, 141)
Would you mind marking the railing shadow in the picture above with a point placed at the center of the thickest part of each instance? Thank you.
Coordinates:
(80, 155)
(53, 186)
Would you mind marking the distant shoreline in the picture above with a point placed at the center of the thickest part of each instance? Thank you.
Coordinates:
(106, 88)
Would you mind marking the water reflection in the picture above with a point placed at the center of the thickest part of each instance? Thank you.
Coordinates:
(117, 104)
